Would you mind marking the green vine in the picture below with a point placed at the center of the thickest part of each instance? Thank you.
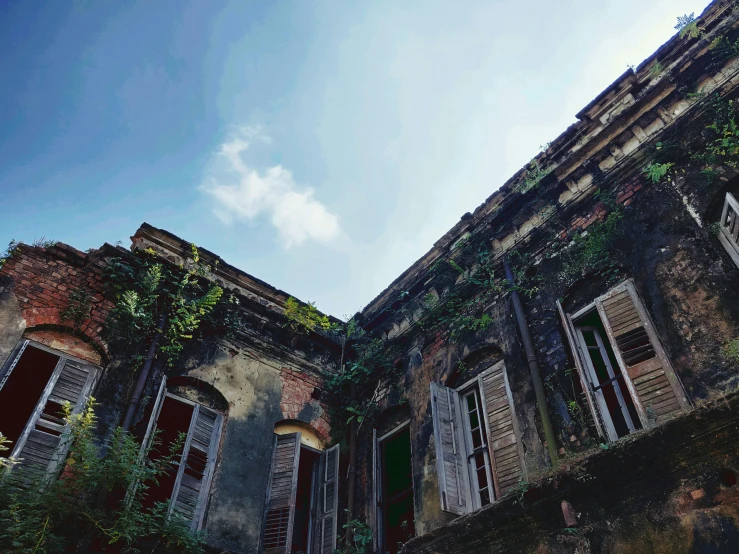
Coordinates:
(147, 292)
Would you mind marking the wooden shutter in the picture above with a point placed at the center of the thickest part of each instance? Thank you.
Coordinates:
(328, 502)
(44, 443)
(577, 356)
(197, 466)
(279, 509)
(454, 488)
(651, 379)
(504, 436)
(729, 227)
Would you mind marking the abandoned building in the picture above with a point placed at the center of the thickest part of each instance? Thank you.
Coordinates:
(559, 373)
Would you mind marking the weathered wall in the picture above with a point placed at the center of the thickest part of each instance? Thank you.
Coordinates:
(672, 490)
(260, 392)
(264, 373)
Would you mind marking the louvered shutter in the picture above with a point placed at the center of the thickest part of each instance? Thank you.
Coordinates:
(639, 352)
(197, 466)
(577, 356)
(43, 444)
(504, 436)
(279, 509)
(454, 488)
(328, 502)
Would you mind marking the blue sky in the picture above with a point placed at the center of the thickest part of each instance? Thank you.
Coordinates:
(321, 146)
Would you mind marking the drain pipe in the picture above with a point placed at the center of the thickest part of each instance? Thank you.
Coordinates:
(528, 346)
(143, 376)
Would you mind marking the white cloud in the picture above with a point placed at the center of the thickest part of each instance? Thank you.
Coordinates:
(244, 193)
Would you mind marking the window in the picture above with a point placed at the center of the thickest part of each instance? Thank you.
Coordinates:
(478, 444)
(34, 386)
(393, 482)
(187, 485)
(729, 227)
(628, 381)
(302, 498)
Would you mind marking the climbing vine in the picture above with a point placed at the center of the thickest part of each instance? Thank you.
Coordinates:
(151, 297)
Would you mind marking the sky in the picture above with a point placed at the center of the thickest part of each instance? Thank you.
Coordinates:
(321, 146)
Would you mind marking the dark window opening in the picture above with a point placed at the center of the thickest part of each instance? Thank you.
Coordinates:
(22, 392)
(304, 500)
(604, 374)
(478, 457)
(397, 491)
(172, 424)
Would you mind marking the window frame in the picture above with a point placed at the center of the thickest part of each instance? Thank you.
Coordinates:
(212, 459)
(379, 504)
(595, 386)
(472, 388)
(729, 241)
(602, 304)
(503, 439)
(322, 519)
(93, 377)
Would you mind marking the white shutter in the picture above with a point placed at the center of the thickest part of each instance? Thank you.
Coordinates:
(504, 436)
(44, 442)
(577, 356)
(454, 488)
(328, 502)
(279, 509)
(649, 374)
(197, 466)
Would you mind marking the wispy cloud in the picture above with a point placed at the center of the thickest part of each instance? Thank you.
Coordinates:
(244, 193)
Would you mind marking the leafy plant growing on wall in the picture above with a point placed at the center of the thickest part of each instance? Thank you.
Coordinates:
(78, 306)
(305, 318)
(152, 298)
(50, 517)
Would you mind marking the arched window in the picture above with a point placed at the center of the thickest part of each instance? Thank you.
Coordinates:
(35, 383)
(301, 507)
(188, 484)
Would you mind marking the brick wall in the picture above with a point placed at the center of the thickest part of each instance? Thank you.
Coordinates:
(297, 401)
(42, 279)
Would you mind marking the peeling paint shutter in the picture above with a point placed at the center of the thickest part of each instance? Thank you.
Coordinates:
(279, 509)
(328, 502)
(640, 354)
(504, 437)
(454, 486)
(197, 466)
(580, 365)
(43, 444)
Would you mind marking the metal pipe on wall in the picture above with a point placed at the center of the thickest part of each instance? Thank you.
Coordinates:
(528, 346)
